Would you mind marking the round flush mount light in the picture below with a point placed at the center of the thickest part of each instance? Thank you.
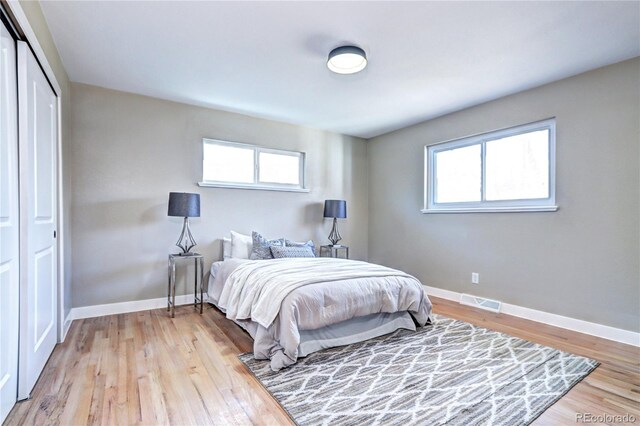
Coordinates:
(347, 60)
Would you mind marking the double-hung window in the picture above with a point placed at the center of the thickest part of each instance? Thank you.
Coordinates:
(505, 170)
(236, 165)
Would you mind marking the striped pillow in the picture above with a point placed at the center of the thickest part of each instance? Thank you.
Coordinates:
(288, 252)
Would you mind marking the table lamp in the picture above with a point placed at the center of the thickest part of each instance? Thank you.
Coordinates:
(335, 209)
(186, 205)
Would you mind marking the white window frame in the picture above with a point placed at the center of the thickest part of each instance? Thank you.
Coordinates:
(257, 150)
(523, 205)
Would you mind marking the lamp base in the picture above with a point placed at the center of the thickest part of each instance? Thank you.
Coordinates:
(334, 236)
(185, 241)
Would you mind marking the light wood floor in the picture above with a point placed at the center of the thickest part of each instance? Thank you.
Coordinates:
(147, 368)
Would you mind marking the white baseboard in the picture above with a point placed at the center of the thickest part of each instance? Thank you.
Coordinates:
(591, 328)
(67, 324)
(125, 307)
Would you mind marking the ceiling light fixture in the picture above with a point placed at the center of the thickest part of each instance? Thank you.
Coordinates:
(347, 60)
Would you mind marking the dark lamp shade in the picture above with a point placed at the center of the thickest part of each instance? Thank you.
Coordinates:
(184, 204)
(335, 208)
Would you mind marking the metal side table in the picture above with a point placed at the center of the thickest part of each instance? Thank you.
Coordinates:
(334, 251)
(198, 262)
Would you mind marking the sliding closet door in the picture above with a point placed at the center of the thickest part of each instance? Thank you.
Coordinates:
(9, 226)
(38, 291)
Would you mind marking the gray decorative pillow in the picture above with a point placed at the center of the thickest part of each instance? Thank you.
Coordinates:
(288, 252)
(289, 243)
(262, 246)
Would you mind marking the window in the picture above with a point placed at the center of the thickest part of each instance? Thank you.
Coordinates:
(506, 170)
(236, 165)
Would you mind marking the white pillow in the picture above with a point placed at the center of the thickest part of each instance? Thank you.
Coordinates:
(226, 248)
(241, 245)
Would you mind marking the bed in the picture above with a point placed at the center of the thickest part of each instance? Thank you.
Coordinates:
(292, 307)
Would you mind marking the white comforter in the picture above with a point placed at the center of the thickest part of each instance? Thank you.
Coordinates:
(256, 290)
(280, 297)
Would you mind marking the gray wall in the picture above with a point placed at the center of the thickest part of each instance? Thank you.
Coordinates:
(36, 19)
(130, 151)
(582, 261)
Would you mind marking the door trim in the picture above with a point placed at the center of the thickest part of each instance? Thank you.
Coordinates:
(22, 23)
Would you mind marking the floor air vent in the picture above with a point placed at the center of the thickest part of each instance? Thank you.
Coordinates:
(480, 302)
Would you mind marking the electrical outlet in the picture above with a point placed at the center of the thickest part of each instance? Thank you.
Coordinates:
(475, 278)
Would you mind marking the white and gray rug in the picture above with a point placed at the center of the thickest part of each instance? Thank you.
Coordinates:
(448, 373)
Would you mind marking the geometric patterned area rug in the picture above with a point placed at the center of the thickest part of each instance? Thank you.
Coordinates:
(446, 373)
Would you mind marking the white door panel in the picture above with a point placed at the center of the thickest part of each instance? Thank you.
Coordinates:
(9, 226)
(43, 153)
(38, 162)
(45, 313)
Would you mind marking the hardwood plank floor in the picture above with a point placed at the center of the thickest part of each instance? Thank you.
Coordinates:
(146, 368)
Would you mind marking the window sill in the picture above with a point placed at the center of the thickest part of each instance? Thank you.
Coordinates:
(254, 187)
(522, 209)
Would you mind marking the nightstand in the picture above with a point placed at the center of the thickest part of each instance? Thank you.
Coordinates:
(334, 251)
(198, 262)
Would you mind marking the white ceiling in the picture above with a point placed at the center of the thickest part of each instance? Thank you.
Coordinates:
(268, 59)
